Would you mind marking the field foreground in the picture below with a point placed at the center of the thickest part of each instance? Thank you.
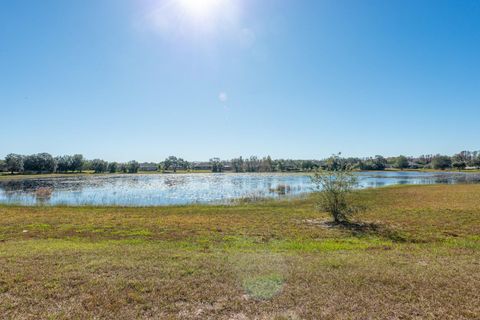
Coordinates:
(416, 256)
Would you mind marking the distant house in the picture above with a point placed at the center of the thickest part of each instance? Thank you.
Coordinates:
(290, 168)
(208, 166)
(148, 167)
(202, 166)
(413, 165)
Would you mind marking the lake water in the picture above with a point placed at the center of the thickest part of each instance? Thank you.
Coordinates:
(177, 189)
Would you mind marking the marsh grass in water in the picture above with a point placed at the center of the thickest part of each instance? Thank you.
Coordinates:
(182, 189)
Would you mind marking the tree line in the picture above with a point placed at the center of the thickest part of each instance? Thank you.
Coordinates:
(46, 163)
(459, 161)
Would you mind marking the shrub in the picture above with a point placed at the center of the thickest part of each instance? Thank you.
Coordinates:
(335, 188)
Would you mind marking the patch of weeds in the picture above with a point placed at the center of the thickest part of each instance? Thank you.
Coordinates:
(4, 287)
(330, 244)
(188, 271)
(130, 242)
(27, 247)
(263, 287)
(133, 233)
(332, 264)
(39, 226)
(89, 229)
(235, 243)
(133, 297)
(472, 242)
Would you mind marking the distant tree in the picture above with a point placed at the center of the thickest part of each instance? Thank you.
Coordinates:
(87, 165)
(31, 163)
(112, 167)
(47, 162)
(77, 163)
(237, 164)
(266, 164)
(460, 160)
(424, 160)
(476, 161)
(401, 162)
(217, 165)
(14, 163)
(335, 186)
(441, 162)
(464, 156)
(252, 164)
(99, 166)
(379, 163)
(64, 163)
(123, 168)
(279, 165)
(335, 163)
(133, 166)
(3, 166)
(306, 165)
(459, 165)
(182, 164)
(171, 163)
(41, 162)
(161, 167)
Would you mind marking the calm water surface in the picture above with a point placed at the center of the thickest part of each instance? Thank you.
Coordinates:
(169, 189)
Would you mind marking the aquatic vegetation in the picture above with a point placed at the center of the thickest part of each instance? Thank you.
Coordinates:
(169, 189)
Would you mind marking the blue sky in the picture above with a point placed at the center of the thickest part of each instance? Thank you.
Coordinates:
(133, 79)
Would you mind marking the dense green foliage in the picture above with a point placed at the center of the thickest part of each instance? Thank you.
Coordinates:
(69, 163)
(401, 162)
(441, 162)
(133, 166)
(45, 163)
(14, 163)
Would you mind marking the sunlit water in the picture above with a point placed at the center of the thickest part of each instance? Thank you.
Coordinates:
(170, 189)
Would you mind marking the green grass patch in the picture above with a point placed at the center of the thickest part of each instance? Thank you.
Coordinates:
(264, 287)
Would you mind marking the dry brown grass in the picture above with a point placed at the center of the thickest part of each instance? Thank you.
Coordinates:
(268, 260)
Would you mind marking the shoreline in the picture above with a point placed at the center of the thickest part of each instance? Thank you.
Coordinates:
(8, 176)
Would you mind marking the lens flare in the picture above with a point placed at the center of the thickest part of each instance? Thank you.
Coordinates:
(202, 9)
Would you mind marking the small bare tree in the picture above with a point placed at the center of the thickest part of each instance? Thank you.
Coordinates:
(335, 187)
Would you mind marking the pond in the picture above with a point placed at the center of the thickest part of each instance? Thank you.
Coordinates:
(180, 189)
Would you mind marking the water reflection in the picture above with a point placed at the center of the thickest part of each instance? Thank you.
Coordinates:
(150, 190)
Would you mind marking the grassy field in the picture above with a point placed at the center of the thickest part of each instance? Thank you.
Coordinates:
(417, 256)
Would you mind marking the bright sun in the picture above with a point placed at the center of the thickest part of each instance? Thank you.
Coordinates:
(202, 9)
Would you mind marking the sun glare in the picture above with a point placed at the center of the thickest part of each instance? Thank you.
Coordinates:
(194, 17)
(202, 9)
